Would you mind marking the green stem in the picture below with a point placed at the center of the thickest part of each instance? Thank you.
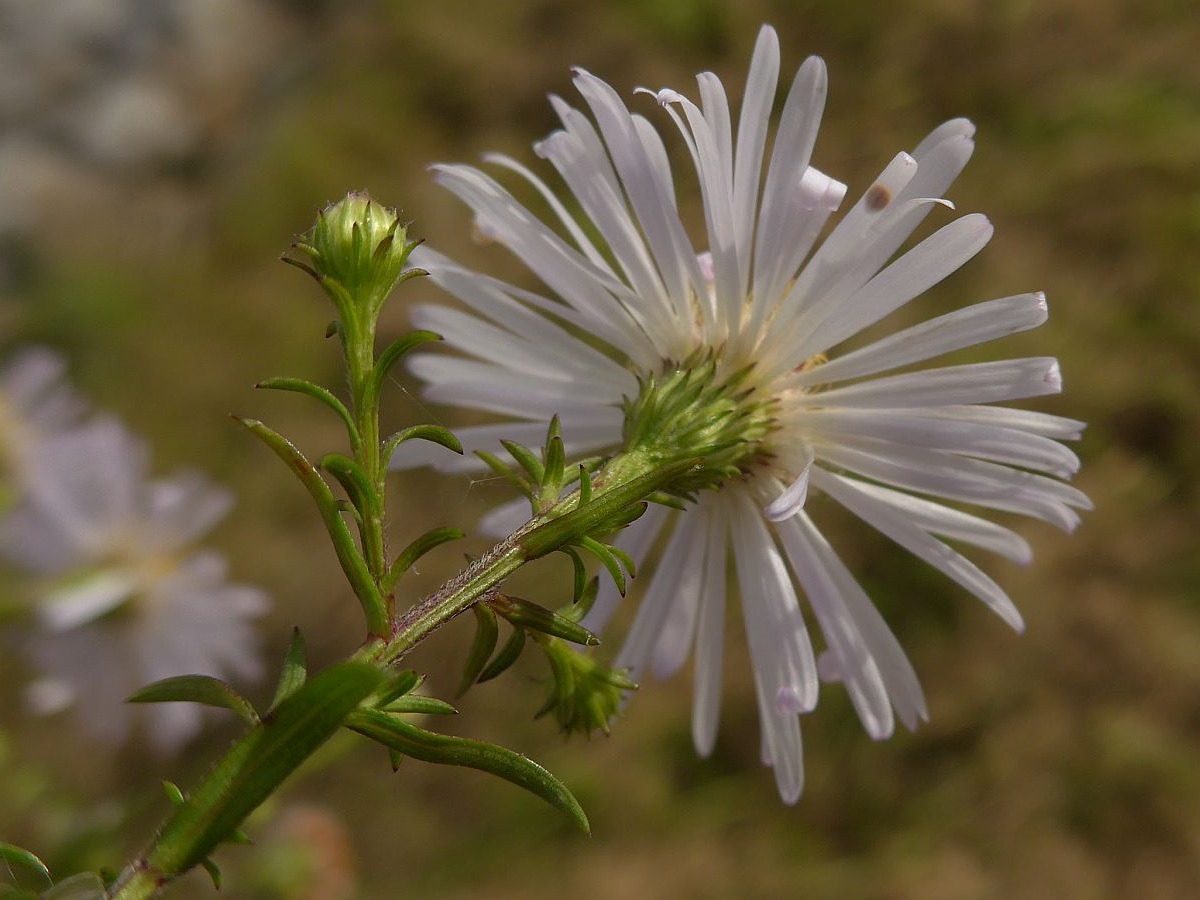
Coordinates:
(360, 366)
(183, 842)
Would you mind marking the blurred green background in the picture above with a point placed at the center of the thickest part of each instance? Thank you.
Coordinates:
(139, 236)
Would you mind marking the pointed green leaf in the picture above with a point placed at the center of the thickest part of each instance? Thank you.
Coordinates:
(585, 487)
(300, 386)
(487, 632)
(352, 479)
(553, 466)
(213, 872)
(508, 655)
(174, 794)
(351, 560)
(580, 573)
(625, 558)
(433, 538)
(395, 757)
(504, 470)
(425, 706)
(203, 689)
(403, 683)
(526, 459)
(435, 433)
(455, 751)
(538, 618)
(258, 763)
(19, 856)
(607, 559)
(396, 350)
(582, 605)
(295, 669)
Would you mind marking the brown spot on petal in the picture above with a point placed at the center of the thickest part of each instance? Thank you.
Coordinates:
(878, 197)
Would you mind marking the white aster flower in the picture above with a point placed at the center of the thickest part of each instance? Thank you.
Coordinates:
(764, 294)
(122, 597)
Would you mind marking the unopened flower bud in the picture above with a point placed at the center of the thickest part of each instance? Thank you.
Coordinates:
(584, 695)
(358, 250)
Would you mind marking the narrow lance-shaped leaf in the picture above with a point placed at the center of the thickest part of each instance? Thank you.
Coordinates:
(607, 559)
(434, 433)
(455, 751)
(356, 484)
(580, 573)
(487, 632)
(433, 538)
(554, 465)
(294, 672)
(538, 618)
(504, 470)
(351, 560)
(19, 856)
(202, 689)
(213, 872)
(419, 705)
(509, 654)
(526, 459)
(256, 765)
(402, 683)
(300, 386)
(396, 350)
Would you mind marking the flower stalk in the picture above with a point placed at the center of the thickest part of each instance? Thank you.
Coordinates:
(357, 251)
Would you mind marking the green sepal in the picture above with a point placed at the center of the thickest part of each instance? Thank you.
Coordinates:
(354, 481)
(213, 872)
(555, 463)
(202, 689)
(424, 706)
(402, 683)
(294, 671)
(509, 654)
(608, 559)
(487, 632)
(434, 433)
(419, 547)
(426, 746)
(526, 459)
(300, 386)
(347, 552)
(84, 886)
(538, 618)
(19, 856)
(174, 794)
(398, 348)
(395, 757)
(256, 765)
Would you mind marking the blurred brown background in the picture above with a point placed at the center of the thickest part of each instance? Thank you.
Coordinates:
(155, 159)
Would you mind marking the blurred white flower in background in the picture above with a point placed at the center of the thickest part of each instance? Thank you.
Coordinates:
(121, 598)
(36, 402)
